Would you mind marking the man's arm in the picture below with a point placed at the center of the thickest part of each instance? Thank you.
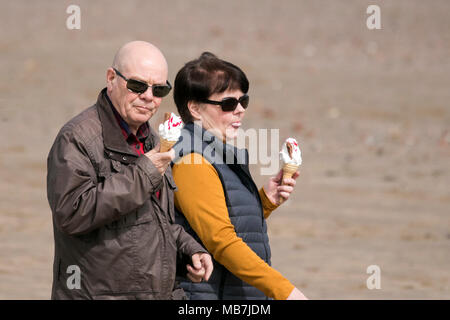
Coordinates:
(186, 244)
(194, 258)
(79, 203)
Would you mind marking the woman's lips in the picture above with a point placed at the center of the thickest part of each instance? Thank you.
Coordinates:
(236, 125)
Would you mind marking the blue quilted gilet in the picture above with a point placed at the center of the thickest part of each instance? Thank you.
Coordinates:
(244, 208)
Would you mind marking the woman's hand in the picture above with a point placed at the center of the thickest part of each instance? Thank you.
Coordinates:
(296, 295)
(276, 191)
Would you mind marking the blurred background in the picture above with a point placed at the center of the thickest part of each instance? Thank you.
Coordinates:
(370, 109)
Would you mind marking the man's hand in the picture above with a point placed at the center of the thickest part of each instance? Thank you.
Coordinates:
(201, 268)
(275, 190)
(160, 160)
(296, 295)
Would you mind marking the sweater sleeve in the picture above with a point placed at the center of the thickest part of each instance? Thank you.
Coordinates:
(207, 214)
(268, 206)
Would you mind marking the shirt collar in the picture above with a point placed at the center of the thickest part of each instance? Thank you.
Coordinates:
(142, 132)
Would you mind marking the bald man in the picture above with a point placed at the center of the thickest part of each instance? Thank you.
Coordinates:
(111, 193)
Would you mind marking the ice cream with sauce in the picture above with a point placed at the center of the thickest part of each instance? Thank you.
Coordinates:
(290, 152)
(169, 131)
(291, 156)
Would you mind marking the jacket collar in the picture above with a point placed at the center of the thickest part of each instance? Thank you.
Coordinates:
(113, 138)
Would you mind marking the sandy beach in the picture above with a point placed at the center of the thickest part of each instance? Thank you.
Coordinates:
(370, 109)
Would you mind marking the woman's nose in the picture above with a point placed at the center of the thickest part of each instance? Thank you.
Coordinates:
(239, 108)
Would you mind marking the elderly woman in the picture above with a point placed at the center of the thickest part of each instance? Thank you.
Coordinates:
(217, 200)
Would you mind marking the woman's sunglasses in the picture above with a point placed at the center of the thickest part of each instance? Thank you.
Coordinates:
(230, 103)
(136, 86)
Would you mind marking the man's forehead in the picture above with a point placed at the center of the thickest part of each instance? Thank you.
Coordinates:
(147, 70)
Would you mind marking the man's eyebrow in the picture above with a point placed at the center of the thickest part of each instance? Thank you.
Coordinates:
(148, 83)
(137, 78)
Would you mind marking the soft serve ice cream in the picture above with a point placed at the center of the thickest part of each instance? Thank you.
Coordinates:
(170, 131)
(291, 156)
(290, 152)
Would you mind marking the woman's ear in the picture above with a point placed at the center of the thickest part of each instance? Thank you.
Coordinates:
(194, 109)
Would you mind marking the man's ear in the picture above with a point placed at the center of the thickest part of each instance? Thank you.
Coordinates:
(110, 76)
(194, 109)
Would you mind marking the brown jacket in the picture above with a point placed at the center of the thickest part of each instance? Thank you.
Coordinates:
(107, 219)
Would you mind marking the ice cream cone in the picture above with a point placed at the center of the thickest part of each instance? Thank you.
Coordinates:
(288, 172)
(166, 145)
(169, 131)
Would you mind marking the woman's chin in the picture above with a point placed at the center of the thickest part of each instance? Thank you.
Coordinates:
(231, 134)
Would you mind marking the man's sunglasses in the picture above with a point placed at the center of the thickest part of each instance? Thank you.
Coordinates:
(137, 86)
(230, 103)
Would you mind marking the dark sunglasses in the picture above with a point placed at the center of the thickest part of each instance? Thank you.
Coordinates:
(230, 103)
(136, 86)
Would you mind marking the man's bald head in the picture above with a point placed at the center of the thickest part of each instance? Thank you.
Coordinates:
(132, 54)
(142, 61)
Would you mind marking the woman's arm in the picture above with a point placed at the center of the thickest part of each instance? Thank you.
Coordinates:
(276, 190)
(201, 198)
(268, 206)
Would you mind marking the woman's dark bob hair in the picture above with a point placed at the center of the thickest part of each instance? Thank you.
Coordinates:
(203, 77)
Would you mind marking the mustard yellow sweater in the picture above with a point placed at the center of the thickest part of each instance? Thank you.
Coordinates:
(201, 198)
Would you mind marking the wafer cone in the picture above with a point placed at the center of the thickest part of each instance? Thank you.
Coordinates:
(166, 145)
(288, 172)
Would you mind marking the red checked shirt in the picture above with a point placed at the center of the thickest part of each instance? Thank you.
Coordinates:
(136, 142)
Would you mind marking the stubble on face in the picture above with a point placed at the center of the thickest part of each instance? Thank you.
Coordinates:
(141, 61)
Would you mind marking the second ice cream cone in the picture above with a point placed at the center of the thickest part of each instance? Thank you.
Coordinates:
(288, 172)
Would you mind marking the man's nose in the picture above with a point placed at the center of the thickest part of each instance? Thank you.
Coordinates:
(147, 95)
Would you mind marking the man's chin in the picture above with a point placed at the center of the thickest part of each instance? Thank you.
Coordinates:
(142, 118)
(145, 113)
